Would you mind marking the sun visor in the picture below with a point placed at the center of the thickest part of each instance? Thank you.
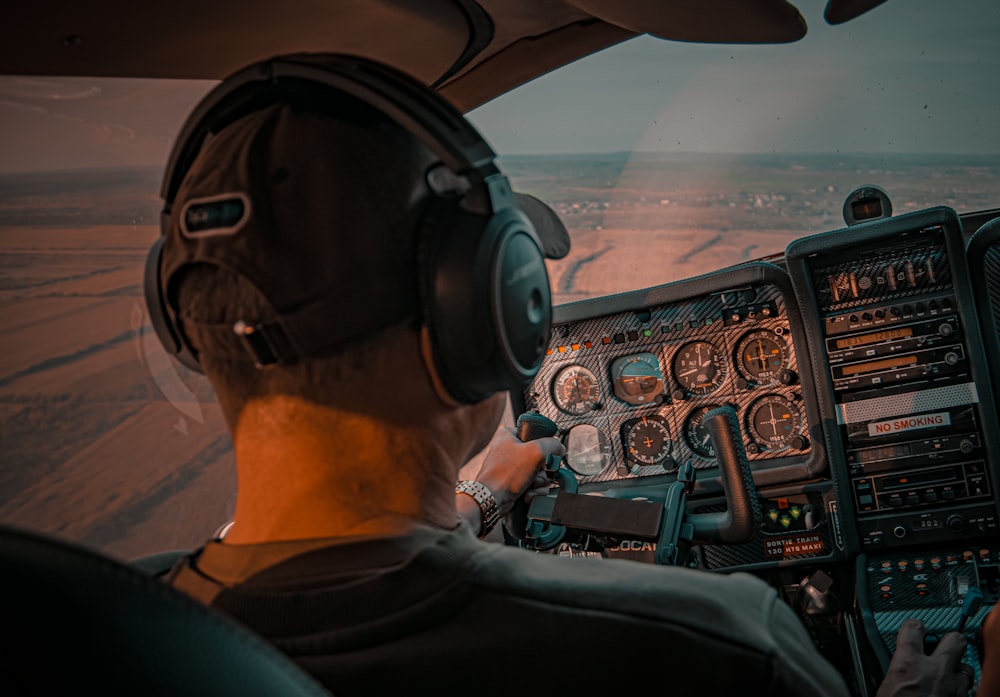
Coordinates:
(708, 21)
(552, 233)
(840, 11)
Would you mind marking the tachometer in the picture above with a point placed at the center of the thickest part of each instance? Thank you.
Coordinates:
(761, 355)
(576, 390)
(646, 439)
(699, 368)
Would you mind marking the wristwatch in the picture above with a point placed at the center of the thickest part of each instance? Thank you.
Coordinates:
(483, 497)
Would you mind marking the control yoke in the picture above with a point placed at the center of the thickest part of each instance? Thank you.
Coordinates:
(667, 523)
(740, 520)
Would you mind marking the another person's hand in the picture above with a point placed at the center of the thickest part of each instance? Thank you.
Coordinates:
(912, 673)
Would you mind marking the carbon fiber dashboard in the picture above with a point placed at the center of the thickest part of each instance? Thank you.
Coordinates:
(627, 378)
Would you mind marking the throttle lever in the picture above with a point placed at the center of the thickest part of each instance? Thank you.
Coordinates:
(741, 519)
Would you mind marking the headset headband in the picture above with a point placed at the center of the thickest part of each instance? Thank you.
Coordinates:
(433, 121)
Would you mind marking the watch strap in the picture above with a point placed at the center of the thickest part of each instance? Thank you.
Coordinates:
(480, 493)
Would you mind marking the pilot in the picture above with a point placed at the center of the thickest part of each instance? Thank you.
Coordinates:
(302, 265)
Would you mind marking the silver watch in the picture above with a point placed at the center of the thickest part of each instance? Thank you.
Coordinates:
(483, 497)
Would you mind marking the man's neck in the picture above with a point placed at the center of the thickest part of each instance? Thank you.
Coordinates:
(307, 471)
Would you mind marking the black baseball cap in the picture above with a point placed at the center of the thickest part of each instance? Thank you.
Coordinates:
(309, 208)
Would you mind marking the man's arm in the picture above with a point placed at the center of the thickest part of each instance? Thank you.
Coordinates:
(510, 469)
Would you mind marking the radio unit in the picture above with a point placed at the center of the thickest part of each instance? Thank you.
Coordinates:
(901, 375)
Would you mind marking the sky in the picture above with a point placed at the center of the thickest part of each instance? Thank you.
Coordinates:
(908, 76)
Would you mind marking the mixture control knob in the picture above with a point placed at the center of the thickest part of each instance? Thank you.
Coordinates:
(955, 523)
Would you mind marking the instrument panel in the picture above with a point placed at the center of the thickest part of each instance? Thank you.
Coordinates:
(628, 389)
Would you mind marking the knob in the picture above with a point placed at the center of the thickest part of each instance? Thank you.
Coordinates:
(966, 446)
(945, 329)
(677, 395)
(786, 376)
(799, 442)
(955, 523)
(899, 531)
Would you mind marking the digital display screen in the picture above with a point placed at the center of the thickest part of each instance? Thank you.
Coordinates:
(874, 337)
(878, 365)
(867, 208)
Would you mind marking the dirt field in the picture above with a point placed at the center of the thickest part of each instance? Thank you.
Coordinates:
(107, 442)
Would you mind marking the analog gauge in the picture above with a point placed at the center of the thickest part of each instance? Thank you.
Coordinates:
(588, 451)
(774, 421)
(646, 439)
(637, 379)
(761, 354)
(699, 368)
(695, 435)
(576, 390)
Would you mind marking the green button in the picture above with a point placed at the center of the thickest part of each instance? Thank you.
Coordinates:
(647, 332)
(795, 512)
(772, 514)
(786, 521)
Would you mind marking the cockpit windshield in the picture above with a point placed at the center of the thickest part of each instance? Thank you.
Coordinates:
(666, 160)
(669, 160)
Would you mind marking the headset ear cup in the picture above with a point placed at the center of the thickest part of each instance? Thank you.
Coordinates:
(487, 302)
(522, 300)
(166, 330)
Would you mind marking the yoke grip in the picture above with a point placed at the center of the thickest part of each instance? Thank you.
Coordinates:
(741, 519)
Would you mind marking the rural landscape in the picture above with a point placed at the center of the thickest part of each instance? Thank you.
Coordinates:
(108, 442)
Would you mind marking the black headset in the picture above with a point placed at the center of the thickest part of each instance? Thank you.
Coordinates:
(486, 300)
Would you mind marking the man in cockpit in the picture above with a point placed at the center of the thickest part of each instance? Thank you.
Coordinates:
(302, 263)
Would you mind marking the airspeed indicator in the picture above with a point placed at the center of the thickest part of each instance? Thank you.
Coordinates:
(576, 390)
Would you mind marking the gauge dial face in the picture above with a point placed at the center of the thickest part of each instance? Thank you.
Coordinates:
(699, 368)
(588, 451)
(576, 390)
(646, 439)
(760, 355)
(774, 421)
(637, 379)
(697, 437)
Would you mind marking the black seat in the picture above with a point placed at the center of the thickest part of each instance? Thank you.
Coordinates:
(76, 622)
